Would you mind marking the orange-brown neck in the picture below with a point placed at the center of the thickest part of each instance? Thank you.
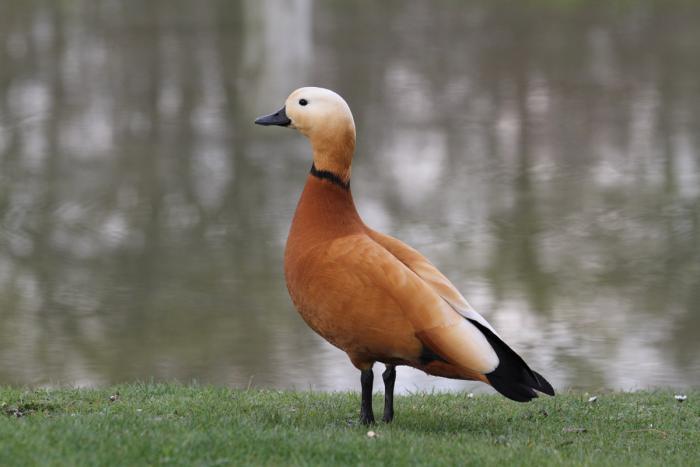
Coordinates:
(325, 211)
(333, 149)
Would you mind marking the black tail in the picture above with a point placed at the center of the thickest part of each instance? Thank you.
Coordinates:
(512, 377)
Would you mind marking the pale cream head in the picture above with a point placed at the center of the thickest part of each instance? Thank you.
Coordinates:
(325, 118)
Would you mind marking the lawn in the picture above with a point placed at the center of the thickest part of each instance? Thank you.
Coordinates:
(170, 424)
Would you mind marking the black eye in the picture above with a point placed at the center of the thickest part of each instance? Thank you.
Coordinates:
(303, 102)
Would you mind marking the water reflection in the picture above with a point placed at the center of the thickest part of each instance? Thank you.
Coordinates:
(544, 155)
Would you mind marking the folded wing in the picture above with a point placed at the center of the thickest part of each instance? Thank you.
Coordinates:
(511, 376)
(403, 293)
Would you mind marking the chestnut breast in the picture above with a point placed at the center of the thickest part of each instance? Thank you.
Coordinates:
(330, 268)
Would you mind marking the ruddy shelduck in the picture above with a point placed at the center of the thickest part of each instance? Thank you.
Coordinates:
(370, 294)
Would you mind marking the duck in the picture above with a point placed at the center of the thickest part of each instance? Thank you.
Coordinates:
(372, 295)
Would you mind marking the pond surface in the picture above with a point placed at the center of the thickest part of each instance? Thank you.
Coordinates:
(544, 154)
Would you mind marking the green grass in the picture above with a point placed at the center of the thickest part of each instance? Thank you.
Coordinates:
(190, 425)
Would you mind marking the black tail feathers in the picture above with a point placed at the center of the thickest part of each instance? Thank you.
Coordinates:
(512, 377)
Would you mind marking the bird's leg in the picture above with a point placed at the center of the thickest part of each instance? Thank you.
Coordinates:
(366, 412)
(389, 376)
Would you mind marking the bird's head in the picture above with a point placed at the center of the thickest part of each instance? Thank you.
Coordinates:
(325, 118)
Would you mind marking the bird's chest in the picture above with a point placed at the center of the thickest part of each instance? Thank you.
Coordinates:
(342, 301)
(326, 296)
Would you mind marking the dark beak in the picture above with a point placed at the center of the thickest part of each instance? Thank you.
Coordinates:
(278, 118)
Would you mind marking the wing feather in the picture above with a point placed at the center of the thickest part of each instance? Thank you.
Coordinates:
(431, 275)
(434, 321)
(512, 377)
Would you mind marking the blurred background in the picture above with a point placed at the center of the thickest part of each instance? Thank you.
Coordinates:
(544, 154)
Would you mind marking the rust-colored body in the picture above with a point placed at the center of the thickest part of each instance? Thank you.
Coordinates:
(360, 296)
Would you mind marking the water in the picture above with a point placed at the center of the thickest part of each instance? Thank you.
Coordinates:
(545, 155)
